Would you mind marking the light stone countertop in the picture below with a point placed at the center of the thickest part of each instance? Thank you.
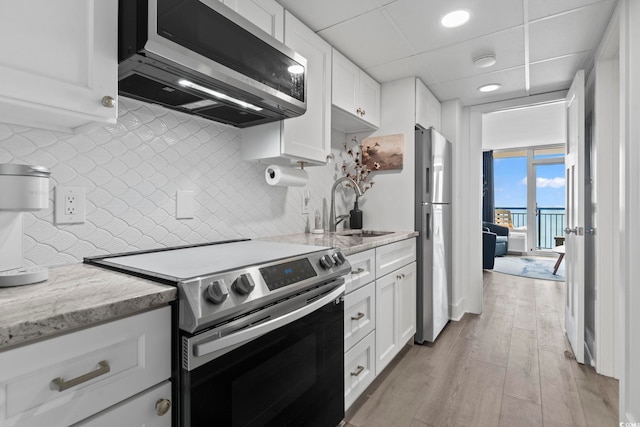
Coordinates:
(80, 295)
(348, 243)
(74, 296)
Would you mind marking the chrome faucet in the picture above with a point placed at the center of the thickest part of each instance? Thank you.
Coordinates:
(332, 215)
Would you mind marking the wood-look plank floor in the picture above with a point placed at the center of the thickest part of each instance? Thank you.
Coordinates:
(506, 367)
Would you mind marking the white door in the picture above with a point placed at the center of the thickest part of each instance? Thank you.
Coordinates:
(575, 194)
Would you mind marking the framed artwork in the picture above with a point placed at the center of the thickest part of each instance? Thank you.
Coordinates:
(382, 153)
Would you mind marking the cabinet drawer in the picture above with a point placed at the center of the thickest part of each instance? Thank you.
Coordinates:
(395, 255)
(359, 314)
(139, 410)
(363, 268)
(122, 358)
(359, 368)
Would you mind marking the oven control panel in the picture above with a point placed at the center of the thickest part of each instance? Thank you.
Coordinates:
(209, 300)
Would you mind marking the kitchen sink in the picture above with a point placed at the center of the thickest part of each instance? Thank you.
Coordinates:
(363, 233)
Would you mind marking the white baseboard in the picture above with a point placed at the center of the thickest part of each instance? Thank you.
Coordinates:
(457, 310)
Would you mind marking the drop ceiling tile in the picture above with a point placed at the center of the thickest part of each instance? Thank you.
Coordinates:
(405, 67)
(512, 81)
(420, 20)
(368, 40)
(319, 15)
(556, 73)
(455, 62)
(541, 8)
(571, 32)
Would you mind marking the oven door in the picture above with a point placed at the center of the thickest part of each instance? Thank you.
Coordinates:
(290, 374)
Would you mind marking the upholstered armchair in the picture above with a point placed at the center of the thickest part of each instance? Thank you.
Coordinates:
(502, 237)
(494, 243)
(488, 249)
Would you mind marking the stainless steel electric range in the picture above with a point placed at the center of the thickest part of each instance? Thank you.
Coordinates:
(258, 330)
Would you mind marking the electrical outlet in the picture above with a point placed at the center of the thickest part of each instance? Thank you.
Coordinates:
(70, 205)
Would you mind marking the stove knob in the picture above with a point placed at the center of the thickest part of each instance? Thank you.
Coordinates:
(243, 284)
(217, 292)
(326, 262)
(339, 258)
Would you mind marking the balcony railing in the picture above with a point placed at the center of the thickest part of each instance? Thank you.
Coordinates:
(550, 222)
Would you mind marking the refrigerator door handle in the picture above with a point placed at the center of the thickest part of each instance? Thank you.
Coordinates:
(427, 184)
(428, 224)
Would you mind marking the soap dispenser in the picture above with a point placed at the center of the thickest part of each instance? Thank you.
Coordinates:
(355, 217)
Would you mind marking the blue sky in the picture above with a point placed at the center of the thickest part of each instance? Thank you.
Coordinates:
(510, 177)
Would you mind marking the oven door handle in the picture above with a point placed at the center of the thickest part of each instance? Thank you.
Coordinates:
(245, 335)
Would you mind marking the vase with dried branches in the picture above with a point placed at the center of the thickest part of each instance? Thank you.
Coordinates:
(358, 170)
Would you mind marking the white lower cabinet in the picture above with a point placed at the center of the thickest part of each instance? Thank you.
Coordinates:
(63, 380)
(387, 339)
(395, 313)
(359, 368)
(359, 314)
(380, 312)
(151, 408)
(407, 303)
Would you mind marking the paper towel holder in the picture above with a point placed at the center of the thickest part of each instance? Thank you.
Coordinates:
(24, 188)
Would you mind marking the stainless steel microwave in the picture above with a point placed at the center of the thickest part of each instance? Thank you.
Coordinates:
(202, 58)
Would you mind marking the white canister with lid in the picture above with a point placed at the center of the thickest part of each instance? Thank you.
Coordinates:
(23, 187)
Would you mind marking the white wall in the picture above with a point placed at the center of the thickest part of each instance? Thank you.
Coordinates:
(389, 205)
(630, 208)
(531, 126)
(131, 172)
(452, 129)
(606, 190)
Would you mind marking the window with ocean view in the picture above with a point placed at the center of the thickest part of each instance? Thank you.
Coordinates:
(546, 165)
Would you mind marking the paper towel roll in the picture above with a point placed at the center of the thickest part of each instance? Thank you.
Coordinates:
(289, 177)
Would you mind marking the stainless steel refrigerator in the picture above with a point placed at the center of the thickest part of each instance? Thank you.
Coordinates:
(433, 220)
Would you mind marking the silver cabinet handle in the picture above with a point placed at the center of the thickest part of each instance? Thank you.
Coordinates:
(358, 271)
(108, 101)
(162, 407)
(358, 316)
(61, 385)
(358, 371)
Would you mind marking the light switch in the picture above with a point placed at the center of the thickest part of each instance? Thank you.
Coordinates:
(184, 204)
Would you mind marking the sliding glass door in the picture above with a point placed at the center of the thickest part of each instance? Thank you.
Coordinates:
(537, 211)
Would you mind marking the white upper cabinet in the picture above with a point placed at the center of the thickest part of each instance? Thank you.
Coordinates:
(355, 97)
(306, 138)
(428, 108)
(59, 63)
(268, 15)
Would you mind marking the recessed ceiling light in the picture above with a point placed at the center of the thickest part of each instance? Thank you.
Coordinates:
(490, 87)
(455, 18)
(485, 61)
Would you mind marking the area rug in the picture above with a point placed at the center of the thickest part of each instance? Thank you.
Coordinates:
(533, 267)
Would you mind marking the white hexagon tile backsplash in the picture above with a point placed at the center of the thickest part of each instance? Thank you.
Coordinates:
(131, 172)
